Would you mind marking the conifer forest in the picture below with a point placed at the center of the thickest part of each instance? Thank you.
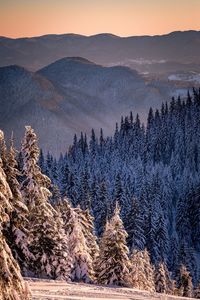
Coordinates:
(120, 210)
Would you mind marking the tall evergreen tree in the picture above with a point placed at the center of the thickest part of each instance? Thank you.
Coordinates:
(141, 271)
(48, 241)
(100, 208)
(12, 286)
(82, 260)
(81, 241)
(163, 282)
(113, 263)
(134, 227)
(15, 231)
(184, 283)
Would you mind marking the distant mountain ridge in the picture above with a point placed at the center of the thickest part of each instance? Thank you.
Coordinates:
(70, 96)
(36, 52)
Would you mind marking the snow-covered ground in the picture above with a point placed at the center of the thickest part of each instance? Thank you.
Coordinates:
(57, 290)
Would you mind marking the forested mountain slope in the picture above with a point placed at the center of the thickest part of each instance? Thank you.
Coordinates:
(152, 172)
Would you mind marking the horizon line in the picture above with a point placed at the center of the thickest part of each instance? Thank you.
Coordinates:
(100, 33)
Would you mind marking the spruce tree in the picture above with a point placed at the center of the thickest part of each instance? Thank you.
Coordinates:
(87, 223)
(48, 241)
(82, 261)
(138, 278)
(15, 232)
(141, 271)
(12, 286)
(184, 282)
(113, 264)
(80, 245)
(100, 207)
(163, 282)
(149, 269)
(134, 226)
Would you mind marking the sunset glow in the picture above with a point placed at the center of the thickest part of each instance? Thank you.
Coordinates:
(19, 18)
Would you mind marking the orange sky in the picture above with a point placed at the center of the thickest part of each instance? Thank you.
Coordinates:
(19, 18)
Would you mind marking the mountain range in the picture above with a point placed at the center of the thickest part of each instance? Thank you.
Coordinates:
(177, 49)
(65, 84)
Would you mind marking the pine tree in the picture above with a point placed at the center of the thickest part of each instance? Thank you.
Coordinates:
(64, 181)
(82, 261)
(134, 227)
(113, 263)
(76, 227)
(100, 208)
(184, 283)
(149, 270)
(48, 241)
(12, 286)
(87, 223)
(162, 238)
(119, 195)
(84, 199)
(163, 282)
(141, 271)
(15, 232)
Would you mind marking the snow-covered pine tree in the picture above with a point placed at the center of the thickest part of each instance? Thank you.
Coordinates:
(134, 226)
(141, 271)
(87, 223)
(149, 269)
(79, 246)
(119, 195)
(84, 198)
(82, 261)
(184, 283)
(113, 263)
(48, 241)
(15, 232)
(12, 286)
(99, 198)
(138, 278)
(163, 282)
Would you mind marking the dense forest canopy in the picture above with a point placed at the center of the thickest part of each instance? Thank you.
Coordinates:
(152, 171)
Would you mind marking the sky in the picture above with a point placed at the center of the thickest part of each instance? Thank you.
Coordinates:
(24, 18)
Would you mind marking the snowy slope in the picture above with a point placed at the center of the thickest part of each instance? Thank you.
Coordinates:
(55, 290)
